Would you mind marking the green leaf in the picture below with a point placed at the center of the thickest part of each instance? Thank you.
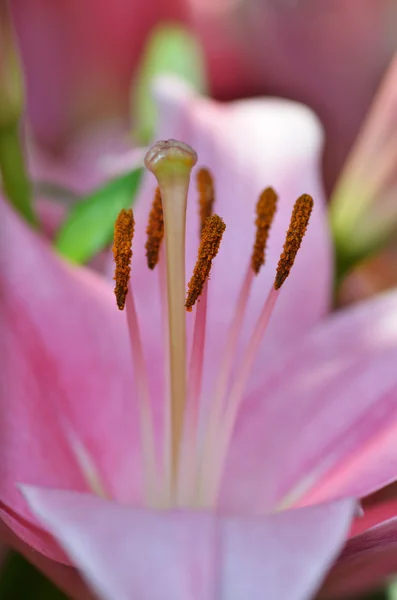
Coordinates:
(13, 171)
(392, 591)
(88, 228)
(170, 50)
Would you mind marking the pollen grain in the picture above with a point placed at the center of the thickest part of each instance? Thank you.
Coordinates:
(209, 245)
(155, 231)
(123, 234)
(297, 229)
(205, 186)
(265, 211)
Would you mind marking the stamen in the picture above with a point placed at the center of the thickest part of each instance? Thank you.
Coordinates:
(187, 491)
(155, 231)
(209, 246)
(145, 408)
(297, 229)
(213, 474)
(205, 185)
(298, 225)
(224, 374)
(123, 234)
(85, 462)
(171, 162)
(265, 211)
(189, 466)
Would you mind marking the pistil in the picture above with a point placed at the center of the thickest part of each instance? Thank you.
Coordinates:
(171, 162)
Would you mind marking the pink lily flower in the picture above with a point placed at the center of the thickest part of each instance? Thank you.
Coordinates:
(314, 423)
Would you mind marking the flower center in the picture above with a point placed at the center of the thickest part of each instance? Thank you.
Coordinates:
(192, 465)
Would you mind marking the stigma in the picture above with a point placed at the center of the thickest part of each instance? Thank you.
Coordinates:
(189, 471)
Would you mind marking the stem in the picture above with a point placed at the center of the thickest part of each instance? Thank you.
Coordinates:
(14, 175)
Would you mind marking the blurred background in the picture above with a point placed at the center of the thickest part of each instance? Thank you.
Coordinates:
(81, 57)
(87, 67)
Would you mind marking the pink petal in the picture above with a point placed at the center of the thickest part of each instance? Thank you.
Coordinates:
(67, 376)
(127, 553)
(324, 425)
(365, 562)
(247, 146)
(373, 515)
(84, 166)
(66, 578)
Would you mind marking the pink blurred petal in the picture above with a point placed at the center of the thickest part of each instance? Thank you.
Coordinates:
(125, 552)
(83, 165)
(66, 578)
(365, 562)
(298, 50)
(373, 515)
(51, 214)
(67, 375)
(324, 425)
(31, 534)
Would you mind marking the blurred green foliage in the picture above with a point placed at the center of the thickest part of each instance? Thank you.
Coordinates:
(88, 228)
(170, 50)
(14, 176)
(13, 171)
(19, 580)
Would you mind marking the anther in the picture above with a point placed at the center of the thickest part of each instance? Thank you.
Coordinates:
(265, 211)
(208, 249)
(205, 185)
(123, 234)
(155, 231)
(297, 229)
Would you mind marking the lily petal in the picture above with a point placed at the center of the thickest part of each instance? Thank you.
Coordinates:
(374, 514)
(67, 387)
(66, 578)
(366, 562)
(125, 552)
(324, 425)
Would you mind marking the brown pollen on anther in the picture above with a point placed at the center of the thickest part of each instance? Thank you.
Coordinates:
(205, 186)
(209, 245)
(123, 234)
(265, 211)
(155, 231)
(297, 229)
